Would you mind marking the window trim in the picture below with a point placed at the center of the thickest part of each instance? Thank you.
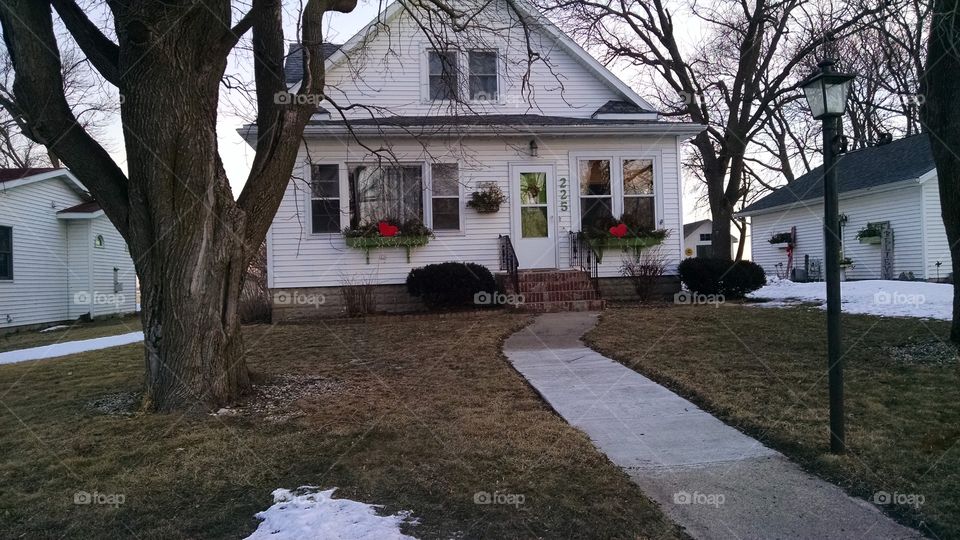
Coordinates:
(499, 72)
(425, 74)
(616, 158)
(10, 278)
(424, 179)
(308, 212)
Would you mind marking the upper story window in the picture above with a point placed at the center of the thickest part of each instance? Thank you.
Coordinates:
(6, 253)
(443, 75)
(382, 192)
(325, 198)
(705, 237)
(484, 84)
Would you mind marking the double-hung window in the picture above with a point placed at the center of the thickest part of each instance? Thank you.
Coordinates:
(596, 195)
(385, 192)
(325, 198)
(445, 194)
(638, 203)
(6, 253)
(484, 85)
(705, 237)
(443, 75)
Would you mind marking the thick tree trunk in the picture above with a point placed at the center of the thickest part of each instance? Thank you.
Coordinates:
(187, 235)
(941, 116)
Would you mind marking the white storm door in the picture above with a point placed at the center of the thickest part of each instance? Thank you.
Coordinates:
(534, 219)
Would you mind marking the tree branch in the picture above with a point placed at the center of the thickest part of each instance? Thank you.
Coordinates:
(103, 53)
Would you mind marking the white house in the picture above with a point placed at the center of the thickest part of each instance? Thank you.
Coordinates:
(429, 124)
(890, 217)
(697, 239)
(60, 257)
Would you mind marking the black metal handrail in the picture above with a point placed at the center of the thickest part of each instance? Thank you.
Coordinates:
(509, 262)
(582, 257)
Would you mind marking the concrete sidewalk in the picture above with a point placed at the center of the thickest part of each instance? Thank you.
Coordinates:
(708, 477)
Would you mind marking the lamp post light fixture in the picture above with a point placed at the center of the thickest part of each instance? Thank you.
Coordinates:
(826, 92)
(534, 149)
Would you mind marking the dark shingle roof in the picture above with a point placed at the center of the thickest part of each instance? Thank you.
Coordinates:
(293, 66)
(481, 120)
(905, 159)
(690, 227)
(7, 175)
(82, 208)
(620, 107)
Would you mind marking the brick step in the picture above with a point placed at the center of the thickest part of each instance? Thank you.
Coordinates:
(564, 276)
(554, 307)
(561, 296)
(543, 287)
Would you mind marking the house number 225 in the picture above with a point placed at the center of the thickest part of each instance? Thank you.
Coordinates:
(564, 195)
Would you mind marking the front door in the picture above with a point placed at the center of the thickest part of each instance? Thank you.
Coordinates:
(534, 227)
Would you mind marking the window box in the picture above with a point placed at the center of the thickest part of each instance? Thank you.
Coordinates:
(781, 245)
(367, 243)
(871, 234)
(636, 243)
(870, 239)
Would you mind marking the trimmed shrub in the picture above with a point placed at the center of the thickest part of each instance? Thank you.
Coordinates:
(450, 284)
(732, 279)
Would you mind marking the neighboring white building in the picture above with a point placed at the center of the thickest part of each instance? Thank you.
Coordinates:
(60, 257)
(697, 239)
(554, 146)
(891, 188)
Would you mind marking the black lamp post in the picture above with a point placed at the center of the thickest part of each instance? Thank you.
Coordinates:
(826, 93)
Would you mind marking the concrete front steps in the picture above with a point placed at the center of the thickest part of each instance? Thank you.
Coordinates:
(551, 291)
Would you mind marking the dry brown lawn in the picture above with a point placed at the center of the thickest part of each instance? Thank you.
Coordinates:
(415, 414)
(763, 371)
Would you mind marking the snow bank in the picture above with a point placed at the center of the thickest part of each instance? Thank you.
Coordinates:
(873, 297)
(305, 514)
(69, 347)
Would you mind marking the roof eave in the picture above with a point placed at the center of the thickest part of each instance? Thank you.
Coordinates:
(892, 186)
(678, 129)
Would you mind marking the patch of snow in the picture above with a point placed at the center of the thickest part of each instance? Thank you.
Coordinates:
(52, 328)
(884, 298)
(69, 347)
(305, 514)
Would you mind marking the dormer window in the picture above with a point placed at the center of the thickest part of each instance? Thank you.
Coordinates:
(483, 76)
(443, 75)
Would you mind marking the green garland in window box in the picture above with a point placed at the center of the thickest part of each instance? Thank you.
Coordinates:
(636, 242)
(388, 234)
(871, 234)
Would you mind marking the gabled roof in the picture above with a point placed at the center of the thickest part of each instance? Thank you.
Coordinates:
(689, 228)
(534, 20)
(19, 173)
(619, 107)
(13, 178)
(293, 65)
(899, 161)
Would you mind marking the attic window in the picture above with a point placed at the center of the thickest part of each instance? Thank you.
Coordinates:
(443, 75)
(483, 76)
(98, 241)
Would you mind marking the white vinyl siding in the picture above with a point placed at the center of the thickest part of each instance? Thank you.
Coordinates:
(39, 291)
(934, 233)
(300, 259)
(389, 72)
(114, 277)
(901, 207)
